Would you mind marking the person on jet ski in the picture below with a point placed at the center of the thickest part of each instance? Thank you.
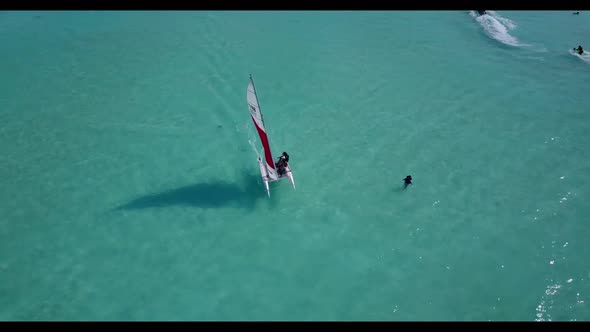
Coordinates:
(481, 12)
(579, 50)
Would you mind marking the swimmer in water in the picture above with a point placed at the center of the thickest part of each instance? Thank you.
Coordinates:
(407, 181)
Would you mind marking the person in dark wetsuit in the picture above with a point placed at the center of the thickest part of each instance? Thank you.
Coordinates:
(481, 12)
(282, 163)
(576, 13)
(579, 50)
(407, 181)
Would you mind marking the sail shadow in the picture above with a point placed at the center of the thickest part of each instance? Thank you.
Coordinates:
(211, 194)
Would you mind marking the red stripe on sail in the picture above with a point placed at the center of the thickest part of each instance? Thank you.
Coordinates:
(264, 139)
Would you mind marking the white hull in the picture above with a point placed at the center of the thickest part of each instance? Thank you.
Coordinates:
(266, 178)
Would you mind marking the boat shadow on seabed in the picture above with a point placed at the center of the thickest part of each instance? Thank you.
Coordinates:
(209, 194)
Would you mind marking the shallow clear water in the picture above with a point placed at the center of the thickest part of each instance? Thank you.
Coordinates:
(130, 192)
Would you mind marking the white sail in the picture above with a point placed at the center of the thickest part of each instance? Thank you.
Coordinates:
(256, 115)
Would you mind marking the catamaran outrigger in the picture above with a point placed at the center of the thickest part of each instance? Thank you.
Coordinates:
(269, 169)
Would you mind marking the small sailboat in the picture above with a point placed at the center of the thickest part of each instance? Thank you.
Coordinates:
(268, 168)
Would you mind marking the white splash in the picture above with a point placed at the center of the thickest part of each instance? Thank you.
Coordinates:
(540, 311)
(497, 27)
(584, 56)
(552, 290)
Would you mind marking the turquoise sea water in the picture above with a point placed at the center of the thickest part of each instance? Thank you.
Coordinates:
(129, 190)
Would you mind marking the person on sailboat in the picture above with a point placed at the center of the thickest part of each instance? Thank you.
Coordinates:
(282, 162)
(407, 181)
(579, 50)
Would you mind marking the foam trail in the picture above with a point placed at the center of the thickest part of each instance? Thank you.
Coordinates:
(585, 56)
(497, 27)
(507, 23)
